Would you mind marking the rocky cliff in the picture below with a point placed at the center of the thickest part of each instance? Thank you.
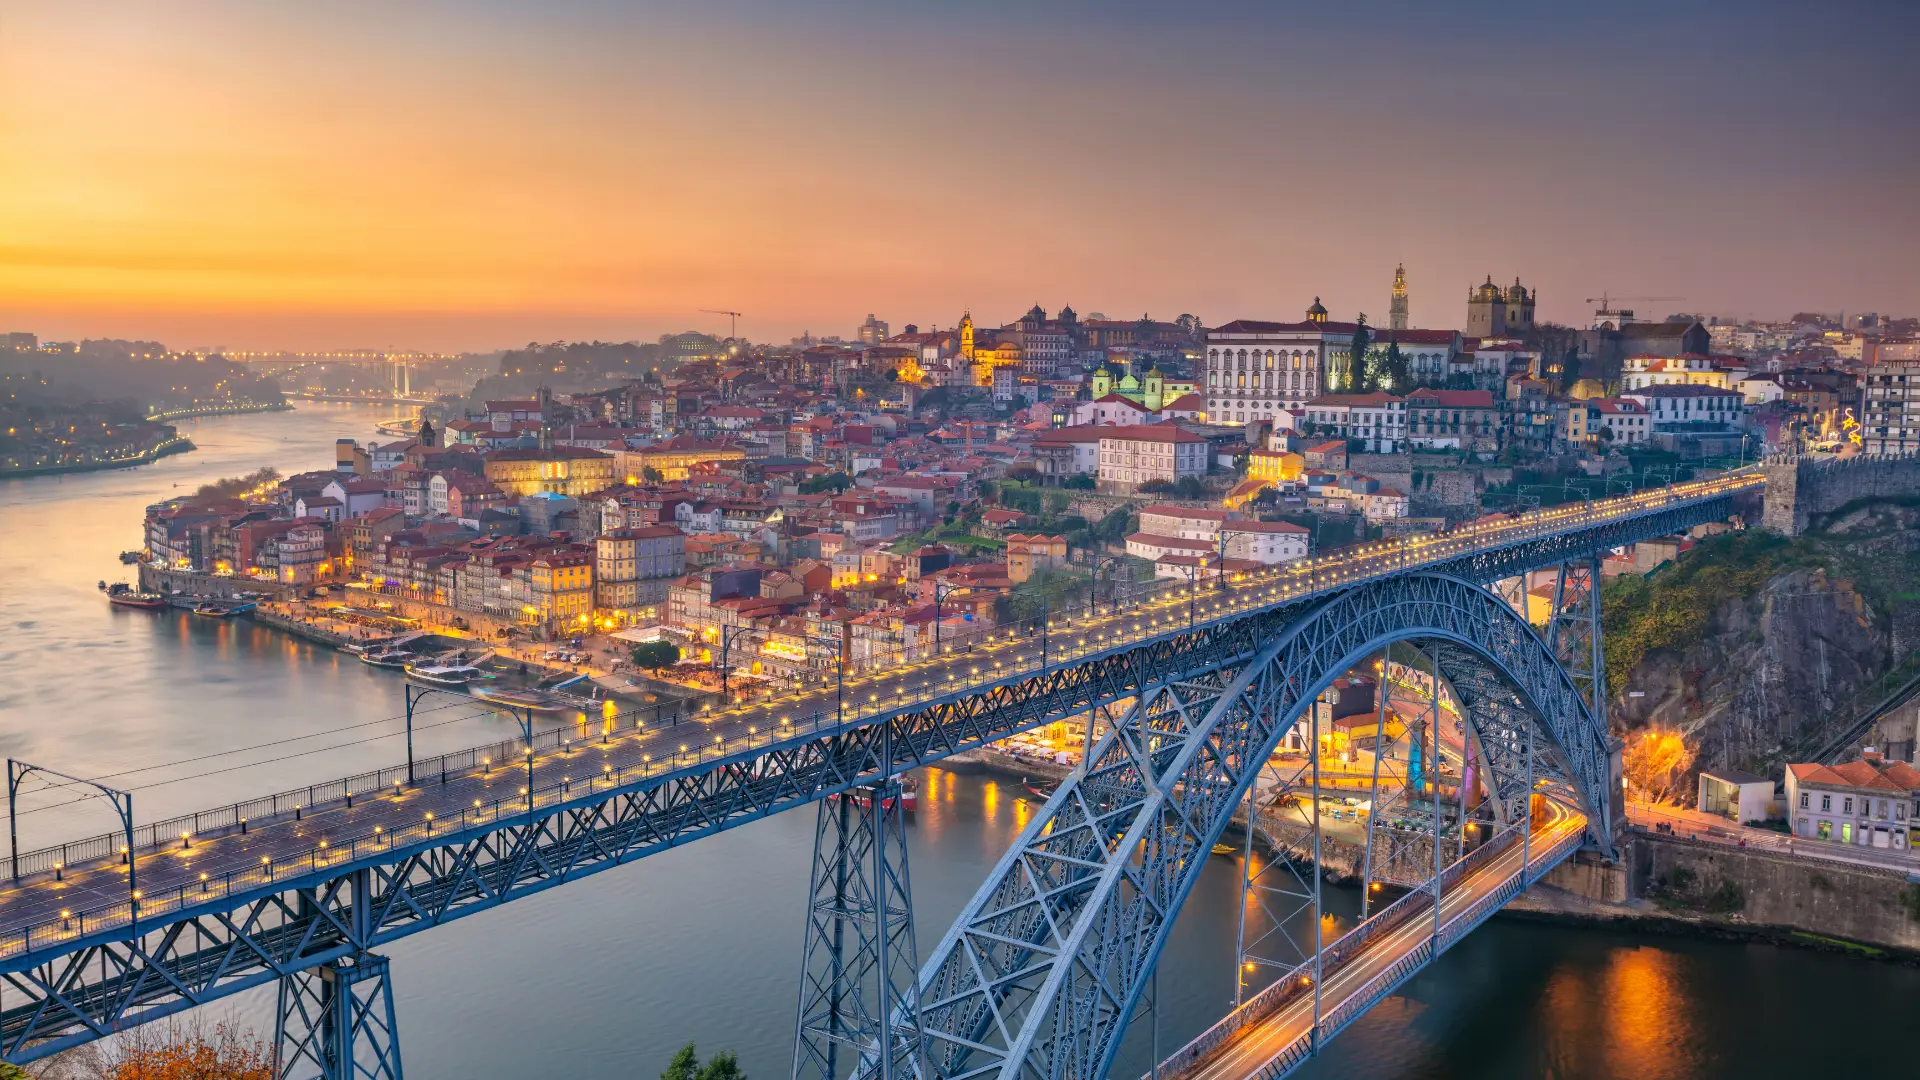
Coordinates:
(1757, 647)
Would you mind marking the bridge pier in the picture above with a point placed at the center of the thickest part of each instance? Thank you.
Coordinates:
(859, 986)
(336, 1022)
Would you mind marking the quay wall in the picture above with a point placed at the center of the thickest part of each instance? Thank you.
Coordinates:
(195, 583)
(1800, 491)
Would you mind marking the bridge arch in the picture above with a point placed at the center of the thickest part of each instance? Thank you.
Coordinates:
(1039, 974)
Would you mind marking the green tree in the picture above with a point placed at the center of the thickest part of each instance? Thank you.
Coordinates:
(686, 1066)
(835, 482)
(654, 655)
(1357, 355)
(1569, 367)
(1079, 482)
(1399, 377)
(651, 475)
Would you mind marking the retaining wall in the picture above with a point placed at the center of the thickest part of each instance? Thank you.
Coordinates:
(1802, 490)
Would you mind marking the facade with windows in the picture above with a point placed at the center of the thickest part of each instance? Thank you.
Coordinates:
(1890, 409)
(1131, 456)
(1864, 803)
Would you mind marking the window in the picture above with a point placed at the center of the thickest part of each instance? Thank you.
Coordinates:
(1826, 802)
(1846, 806)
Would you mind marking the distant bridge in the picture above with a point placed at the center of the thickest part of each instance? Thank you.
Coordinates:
(1195, 686)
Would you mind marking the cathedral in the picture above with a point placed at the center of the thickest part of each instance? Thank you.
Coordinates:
(1494, 312)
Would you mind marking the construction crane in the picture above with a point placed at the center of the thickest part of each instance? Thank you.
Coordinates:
(733, 320)
(1606, 302)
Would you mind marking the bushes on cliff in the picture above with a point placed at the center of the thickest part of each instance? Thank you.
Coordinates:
(1674, 608)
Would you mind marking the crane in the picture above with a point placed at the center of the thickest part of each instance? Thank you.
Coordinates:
(733, 319)
(1606, 301)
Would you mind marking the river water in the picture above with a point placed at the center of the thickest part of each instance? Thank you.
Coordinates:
(604, 979)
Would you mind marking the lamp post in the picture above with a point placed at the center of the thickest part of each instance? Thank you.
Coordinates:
(17, 773)
(413, 695)
(1113, 590)
(727, 634)
(941, 590)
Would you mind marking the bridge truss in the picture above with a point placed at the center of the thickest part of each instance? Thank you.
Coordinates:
(1198, 706)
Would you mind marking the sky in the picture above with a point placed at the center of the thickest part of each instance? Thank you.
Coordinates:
(471, 175)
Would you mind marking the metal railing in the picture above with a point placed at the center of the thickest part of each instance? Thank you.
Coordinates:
(1291, 581)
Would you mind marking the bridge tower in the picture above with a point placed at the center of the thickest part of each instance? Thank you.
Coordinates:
(336, 1022)
(859, 985)
(1574, 636)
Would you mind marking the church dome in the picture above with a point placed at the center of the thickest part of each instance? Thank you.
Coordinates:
(1316, 310)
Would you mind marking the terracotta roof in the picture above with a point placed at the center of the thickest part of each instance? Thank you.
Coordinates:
(1196, 513)
(1152, 433)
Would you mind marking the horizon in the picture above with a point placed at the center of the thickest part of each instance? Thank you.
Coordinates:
(455, 178)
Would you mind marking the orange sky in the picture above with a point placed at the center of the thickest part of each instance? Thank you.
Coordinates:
(472, 176)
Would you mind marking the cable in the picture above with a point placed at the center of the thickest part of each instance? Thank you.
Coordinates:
(276, 742)
(303, 753)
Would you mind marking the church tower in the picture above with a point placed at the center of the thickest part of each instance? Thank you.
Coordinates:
(966, 337)
(428, 436)
(1397, 309)
(1155, 395)
(1102, 382)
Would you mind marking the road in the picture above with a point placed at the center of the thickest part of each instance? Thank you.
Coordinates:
(1251, 1053)
(44, 908)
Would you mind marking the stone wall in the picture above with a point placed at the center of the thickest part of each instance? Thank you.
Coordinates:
(1800, 491)
(194, 583)
(1814, 896)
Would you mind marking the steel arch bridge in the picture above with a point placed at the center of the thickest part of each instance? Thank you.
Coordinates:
(305, 900)
(1041, 971)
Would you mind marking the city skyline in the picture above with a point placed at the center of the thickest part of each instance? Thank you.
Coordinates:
(459, 178)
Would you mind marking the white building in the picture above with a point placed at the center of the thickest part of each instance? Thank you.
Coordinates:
(1269, 542)
(1866, 803)
(1131, 456)
(1624, 417)
(1677, 408)
(1379, 419)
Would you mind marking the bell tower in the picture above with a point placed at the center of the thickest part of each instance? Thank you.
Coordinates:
(1397, 308)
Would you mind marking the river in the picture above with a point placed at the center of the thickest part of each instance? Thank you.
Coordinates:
(604, 979)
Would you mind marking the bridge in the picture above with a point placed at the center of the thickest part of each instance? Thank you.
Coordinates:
(1189, 688)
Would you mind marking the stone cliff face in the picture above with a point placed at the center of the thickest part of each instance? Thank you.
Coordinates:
(1755, 647)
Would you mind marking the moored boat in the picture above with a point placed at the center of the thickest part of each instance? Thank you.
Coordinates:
(141, 601)
(212, 610)
(388, 658)
(443, 674)
(513, 697)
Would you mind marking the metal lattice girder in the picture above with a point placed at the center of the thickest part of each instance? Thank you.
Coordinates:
(858, 966)
(77, 987)
(1040, 972)
(336, 1022)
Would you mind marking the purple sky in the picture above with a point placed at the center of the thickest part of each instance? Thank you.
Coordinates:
(469, 176)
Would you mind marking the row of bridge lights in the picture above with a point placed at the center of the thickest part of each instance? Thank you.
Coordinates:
(994, 642)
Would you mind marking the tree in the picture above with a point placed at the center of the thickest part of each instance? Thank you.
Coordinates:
(1569, 367)
(1357, 353)
(1026, 474)
(1079, 482)
(651, 475)
(686, 1066)
(654, 655)
(1190, 487)
(1156, 487)
(1399, 375)
(173, 1050)
(835, 482)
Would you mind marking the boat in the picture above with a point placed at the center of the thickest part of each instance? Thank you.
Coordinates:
(443, 674)
(212, 610)
(140, 601)
(1039, 789)
(388, 658)
(512, 697)
(1223, 849)
(131, 557)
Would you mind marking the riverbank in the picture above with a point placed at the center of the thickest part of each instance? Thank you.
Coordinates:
(176, 445)
(217, 410)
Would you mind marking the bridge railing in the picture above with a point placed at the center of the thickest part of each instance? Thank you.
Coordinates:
(1300, 578)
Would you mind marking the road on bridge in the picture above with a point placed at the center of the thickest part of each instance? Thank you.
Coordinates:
(1249, 1055)
(44, 909)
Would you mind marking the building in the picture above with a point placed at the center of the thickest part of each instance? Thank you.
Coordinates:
(632, 567)
(1452, 420)
(1258, 369)
(561, 470)
(1690, 369)
(1073, 451)
(1496, 312)
(1622, 420)
(1867, 803)
(1679, 408)
(1379, 419)
(1397, 303)
(558, 587)
(1268, 542)
(1740, 797)
(1131, 456)
(1274, 467)
(1890, 408)
(672, 459)
(1026, 554)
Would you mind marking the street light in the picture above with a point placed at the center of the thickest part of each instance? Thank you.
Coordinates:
(941, 590)
(726, 642)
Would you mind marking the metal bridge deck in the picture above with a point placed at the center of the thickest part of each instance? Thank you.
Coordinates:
(698, 775)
